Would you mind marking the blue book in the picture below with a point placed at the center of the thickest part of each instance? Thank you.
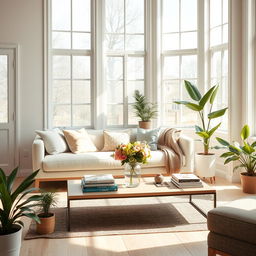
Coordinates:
(100, 189)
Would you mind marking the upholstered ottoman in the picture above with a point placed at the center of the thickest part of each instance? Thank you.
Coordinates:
(233, 228)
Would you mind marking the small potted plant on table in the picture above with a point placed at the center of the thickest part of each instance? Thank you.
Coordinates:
(205, 161)
(145, 110)
(245, 154)
(15, 204)
(47, 218)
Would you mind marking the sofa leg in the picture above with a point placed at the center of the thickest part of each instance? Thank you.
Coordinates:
(211, 252)
(214, 252)
(37, 183)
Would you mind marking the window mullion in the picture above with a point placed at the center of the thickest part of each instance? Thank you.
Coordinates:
(125, 98)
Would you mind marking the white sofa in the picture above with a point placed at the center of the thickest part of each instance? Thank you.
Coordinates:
(67, 165)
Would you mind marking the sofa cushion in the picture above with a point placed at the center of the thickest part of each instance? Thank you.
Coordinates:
(150, 136)
(236, 220)
(113, 139)
(93, 161)
(54, 141)
(79, 141)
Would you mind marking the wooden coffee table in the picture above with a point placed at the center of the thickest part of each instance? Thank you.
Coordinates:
(147, 188)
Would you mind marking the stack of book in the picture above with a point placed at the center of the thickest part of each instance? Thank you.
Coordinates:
(98, 183)
(186, 180)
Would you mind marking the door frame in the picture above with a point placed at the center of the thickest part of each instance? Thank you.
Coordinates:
(16, 51)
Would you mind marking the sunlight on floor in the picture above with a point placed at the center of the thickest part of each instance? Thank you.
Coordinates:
(227, 187)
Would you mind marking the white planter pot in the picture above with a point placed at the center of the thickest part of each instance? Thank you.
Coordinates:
(205, 165)
(10, 244)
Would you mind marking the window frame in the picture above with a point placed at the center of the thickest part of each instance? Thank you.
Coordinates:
(153, 61)
(178, 52)
(48, 117)
(224, 46)
(125, 54)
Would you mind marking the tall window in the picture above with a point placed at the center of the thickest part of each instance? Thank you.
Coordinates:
(219, 53)
(76, 30)
(179, 58)
(125, 58)
(70, 69)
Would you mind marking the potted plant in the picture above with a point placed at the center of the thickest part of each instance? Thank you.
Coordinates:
(245, 154)
(14, 205)
(47, 218)
(145, 110)
(204, 162)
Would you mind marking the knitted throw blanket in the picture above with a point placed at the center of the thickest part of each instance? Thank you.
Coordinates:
(168, 143)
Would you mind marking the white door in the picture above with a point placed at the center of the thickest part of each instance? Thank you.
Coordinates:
(7, 109)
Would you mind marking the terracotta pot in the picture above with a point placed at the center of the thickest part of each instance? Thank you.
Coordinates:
(145, 124)
(205, 165)
(10, 244)
(47, 225)
(248, 183)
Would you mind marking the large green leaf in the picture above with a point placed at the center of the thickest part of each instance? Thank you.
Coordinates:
(33, 198)
(24, 185)
(11, 178)
(211, 132)
(227, 154)
(245, 132)
(247, 148)
(230, 159)
(253, 144)
(192, 91)
(3, 177)
(5, 195)
(222, 142)
(189, 105)
(32, 216)
(217, 113)
(206, 97)
(198, 128)
(204, 135)
(234, 149)
(214, 94)
(27, 191)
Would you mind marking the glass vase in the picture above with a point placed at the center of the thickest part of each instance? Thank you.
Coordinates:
(132, 173)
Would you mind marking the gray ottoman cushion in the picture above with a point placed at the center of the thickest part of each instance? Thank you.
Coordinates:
(236, 220)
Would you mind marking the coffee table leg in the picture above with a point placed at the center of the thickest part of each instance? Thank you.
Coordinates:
(198, 208)
(215, 200)
(68, 217)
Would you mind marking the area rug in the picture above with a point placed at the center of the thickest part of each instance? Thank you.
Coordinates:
(150, 216)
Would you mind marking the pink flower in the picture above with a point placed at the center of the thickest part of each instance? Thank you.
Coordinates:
(119, 155)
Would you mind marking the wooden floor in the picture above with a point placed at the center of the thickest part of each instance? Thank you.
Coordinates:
(171, 244)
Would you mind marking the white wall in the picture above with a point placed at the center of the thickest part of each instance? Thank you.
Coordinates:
(21, 22)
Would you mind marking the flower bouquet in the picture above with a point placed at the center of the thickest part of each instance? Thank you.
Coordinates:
(132, 154)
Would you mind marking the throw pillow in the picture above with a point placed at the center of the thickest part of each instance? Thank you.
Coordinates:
(79, 141)
(150, 136)
(54, 142)
(113, 139)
